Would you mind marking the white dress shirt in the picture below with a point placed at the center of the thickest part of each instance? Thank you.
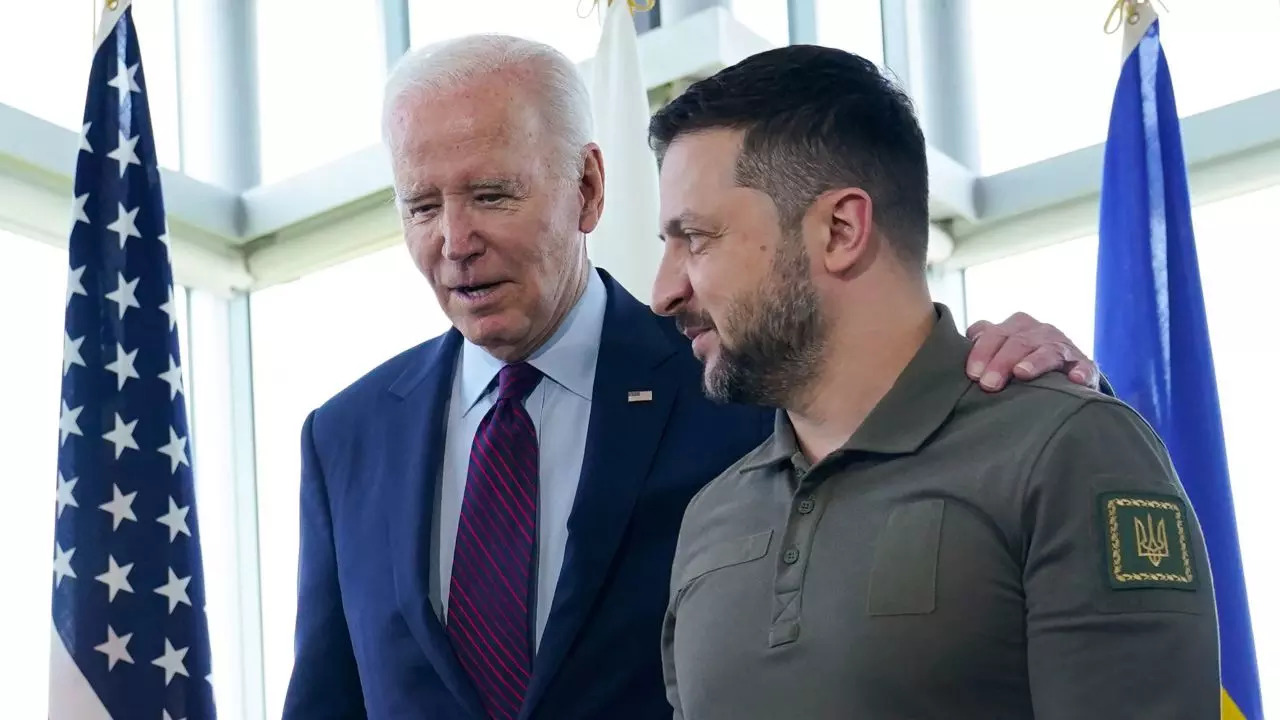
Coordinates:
(560, 407)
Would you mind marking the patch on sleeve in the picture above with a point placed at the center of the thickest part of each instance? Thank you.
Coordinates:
(1145, 541)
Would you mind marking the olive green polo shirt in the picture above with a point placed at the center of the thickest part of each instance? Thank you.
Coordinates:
(1022, 554)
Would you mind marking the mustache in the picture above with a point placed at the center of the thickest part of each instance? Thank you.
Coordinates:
(690, 321)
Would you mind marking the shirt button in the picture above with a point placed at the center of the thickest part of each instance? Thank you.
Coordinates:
(806, 506)
(791, 556)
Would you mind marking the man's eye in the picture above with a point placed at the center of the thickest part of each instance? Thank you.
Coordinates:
(421, 210)
(490, 198)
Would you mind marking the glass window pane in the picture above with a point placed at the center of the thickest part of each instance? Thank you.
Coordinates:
(45, 49)
(766, 18)
(57, 39)
(852, 25)
(1041, 94)
(33, 279)
(154, 20)
(559, 25)
(320, 72)
(351, 317)
(1053, 284)
(1238, 255)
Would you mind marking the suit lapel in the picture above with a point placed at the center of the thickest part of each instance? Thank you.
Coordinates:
(622, 438)
(421, 402)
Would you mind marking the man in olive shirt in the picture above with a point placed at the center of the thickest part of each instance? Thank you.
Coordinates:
(905, 545)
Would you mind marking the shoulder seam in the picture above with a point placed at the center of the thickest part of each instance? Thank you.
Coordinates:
(1025, 485)
(1095, 397)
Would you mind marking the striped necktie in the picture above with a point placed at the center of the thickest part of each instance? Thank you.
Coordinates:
(491, 586)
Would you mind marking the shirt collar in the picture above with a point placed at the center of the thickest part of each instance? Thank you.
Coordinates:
(919, 402)
(568, 358)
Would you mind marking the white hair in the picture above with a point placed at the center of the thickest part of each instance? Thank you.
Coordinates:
(558, 88)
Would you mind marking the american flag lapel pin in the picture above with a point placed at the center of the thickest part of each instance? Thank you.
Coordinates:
(639, 396)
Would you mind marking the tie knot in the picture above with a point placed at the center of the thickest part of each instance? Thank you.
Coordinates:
(515, 382)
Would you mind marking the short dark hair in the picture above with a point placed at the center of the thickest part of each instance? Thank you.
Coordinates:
(816, 118)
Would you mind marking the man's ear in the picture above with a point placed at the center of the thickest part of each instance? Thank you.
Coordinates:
(847, 213)
(591, 188)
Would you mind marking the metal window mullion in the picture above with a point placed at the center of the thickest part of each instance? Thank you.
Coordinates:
(802, 20)
(396, 37)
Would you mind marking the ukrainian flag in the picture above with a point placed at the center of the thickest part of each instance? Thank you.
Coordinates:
(1151, 336)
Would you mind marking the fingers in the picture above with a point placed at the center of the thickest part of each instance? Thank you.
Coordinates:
(1022, 347)
(1084, 372)
(1041, 360)
(988, 338)
(983, 350)
(1013, 350)
(978, 328)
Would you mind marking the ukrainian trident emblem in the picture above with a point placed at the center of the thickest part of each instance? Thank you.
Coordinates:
(1152, 540)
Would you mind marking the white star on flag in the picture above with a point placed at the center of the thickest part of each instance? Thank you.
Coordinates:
(176, 449)
(125, 224)
(124, 81)
(116, 578)
(68, 423)
(122, 435)
(84, 138)
(175, 520)
(175, 590)
(77, 209)
(171, 310)
(116, 648)
(173, 376)
(62, 564)
(71, 352)
(120, 507)
(171, 661)
(66, 493)
(75, 286)
(122, 366)
(123, 295)
(125, 153)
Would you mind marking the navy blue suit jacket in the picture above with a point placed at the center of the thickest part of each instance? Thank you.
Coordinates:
(368, 641)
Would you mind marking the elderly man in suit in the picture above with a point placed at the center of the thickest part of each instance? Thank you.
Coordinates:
(488, 520)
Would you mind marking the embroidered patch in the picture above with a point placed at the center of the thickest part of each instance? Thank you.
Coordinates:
(1146, 543)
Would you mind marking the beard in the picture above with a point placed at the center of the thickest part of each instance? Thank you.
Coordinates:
(779, 334)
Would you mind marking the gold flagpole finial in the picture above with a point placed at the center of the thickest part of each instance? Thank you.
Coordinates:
(113, 4)
(634, 5)
(1125, 11)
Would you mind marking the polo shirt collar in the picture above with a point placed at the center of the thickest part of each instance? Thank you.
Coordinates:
(919, 402)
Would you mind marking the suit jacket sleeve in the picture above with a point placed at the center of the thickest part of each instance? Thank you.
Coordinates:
(1119, 600)
(325, 683)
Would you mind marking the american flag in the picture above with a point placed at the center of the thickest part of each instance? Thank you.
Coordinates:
(130, 638)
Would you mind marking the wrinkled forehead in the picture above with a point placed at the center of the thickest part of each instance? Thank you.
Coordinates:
(448, 136)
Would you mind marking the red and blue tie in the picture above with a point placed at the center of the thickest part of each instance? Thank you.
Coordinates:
(493, 564)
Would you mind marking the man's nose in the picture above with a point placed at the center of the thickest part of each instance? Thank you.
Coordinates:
(459, 237)
(671, 288)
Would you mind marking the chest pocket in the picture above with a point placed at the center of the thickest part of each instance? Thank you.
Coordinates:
(726, 553)
(905, 571)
